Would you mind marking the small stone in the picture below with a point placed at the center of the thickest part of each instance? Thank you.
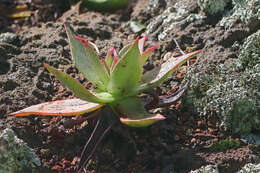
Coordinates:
(193, 140)
(57, 168)
(8, 37)
(136, 27)
(206, 169)
(44, 152)
(75, 160)
(176, 137)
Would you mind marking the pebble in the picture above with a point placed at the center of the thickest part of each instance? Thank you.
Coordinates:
(8, 37)
(176, 137)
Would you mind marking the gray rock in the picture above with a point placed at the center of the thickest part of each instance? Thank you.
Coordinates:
(206, 169)
(251, 139)
(213, 7)
(180, 13)
(247, 11)
(250, 168)
(15, 155)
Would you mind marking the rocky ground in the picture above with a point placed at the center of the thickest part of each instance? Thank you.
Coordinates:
(214, 128)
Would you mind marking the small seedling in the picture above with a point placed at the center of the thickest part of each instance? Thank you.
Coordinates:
(225, 144)
(118, 79)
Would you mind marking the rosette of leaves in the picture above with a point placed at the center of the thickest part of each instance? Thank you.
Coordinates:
(118, 79)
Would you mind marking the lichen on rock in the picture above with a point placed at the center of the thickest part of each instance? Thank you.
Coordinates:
(8, 37)
(213, 7)
(250, 168)
(15, 155)
(206, 169)
(179, 13)
(231, 92)
(247, 11)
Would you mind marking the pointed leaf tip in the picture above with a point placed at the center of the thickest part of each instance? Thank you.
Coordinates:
(126, 73)
(141, 43)
(83, 40)
(165, 70)
(147, 53)
(133, 113)
(86, 60)
(142, 122)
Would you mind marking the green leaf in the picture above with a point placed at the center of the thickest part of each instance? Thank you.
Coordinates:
(87, 61)
(132, 113)
(147, 121)
(79, 90)
(69, 107)
(165, 71)
(126, 74)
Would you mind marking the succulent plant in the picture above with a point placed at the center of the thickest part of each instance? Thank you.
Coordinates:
(118, 79)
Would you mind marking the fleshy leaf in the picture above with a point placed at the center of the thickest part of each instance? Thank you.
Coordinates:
(167, 69)
(78, 89)
(87, 61)
(126, 74)
(69, 107)
(133, 113)
(147, 121)
(84, 41)
(124, 50)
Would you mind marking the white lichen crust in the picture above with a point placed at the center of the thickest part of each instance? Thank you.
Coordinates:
(15, 155)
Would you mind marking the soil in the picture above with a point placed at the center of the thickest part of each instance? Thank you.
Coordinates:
(181, 143)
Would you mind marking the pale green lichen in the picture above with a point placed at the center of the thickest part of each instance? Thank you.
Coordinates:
(231, 93)
(213, 7)
(8, 37)
(170, 18)
(206, 169)
(250, 168)
(15, 155)
(247, 11)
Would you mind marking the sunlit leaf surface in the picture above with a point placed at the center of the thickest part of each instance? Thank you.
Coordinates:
(166, 69)
(132, 112)
(78, 89)
(126, 74)
(69, 107)
(87, 61)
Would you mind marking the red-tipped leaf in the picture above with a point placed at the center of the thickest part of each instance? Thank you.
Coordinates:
(133, 113)
(87, 61)
(165, 70)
